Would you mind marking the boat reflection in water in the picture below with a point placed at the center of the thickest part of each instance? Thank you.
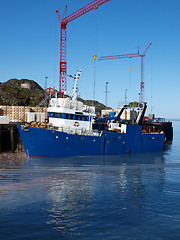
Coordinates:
(85, 197)
(99, 194)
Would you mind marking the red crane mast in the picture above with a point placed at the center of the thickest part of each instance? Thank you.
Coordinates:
(63, 35)
(131, 55)
(142, 73)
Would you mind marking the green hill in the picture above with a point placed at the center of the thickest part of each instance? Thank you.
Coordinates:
(13, 93)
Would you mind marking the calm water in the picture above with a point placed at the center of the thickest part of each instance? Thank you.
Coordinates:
(114, 197)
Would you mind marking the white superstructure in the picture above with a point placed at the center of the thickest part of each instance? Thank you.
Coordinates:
(69, 113)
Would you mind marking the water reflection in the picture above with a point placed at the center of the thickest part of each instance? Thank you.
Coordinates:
(147, 158)
(168, 146)
(86, 191)
(86, 195)
(11, 160)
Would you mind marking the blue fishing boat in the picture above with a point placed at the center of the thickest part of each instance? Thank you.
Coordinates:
(73, 130)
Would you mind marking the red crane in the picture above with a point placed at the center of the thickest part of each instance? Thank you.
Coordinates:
(63, 22)
(131, 55)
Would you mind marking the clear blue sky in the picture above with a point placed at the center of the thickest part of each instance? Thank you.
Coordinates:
(29, 48)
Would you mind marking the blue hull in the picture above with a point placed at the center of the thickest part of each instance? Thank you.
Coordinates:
(44, 142)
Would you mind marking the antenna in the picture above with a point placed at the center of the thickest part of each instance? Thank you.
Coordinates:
(106, 92)
(126, 96)
(45, 91)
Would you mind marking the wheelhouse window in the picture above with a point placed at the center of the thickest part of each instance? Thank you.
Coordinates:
(69, 116)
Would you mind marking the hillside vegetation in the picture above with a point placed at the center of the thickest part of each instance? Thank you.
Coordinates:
(11, 93)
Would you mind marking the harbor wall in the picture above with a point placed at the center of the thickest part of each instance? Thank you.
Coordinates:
(9, 117)
(10, 139)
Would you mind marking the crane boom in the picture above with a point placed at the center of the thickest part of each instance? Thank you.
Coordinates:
(131, 55)
(63, 35)
(93, 5)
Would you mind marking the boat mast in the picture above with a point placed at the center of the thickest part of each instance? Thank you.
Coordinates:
(75, 88)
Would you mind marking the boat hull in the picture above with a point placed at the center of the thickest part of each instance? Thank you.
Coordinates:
(51, 143)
